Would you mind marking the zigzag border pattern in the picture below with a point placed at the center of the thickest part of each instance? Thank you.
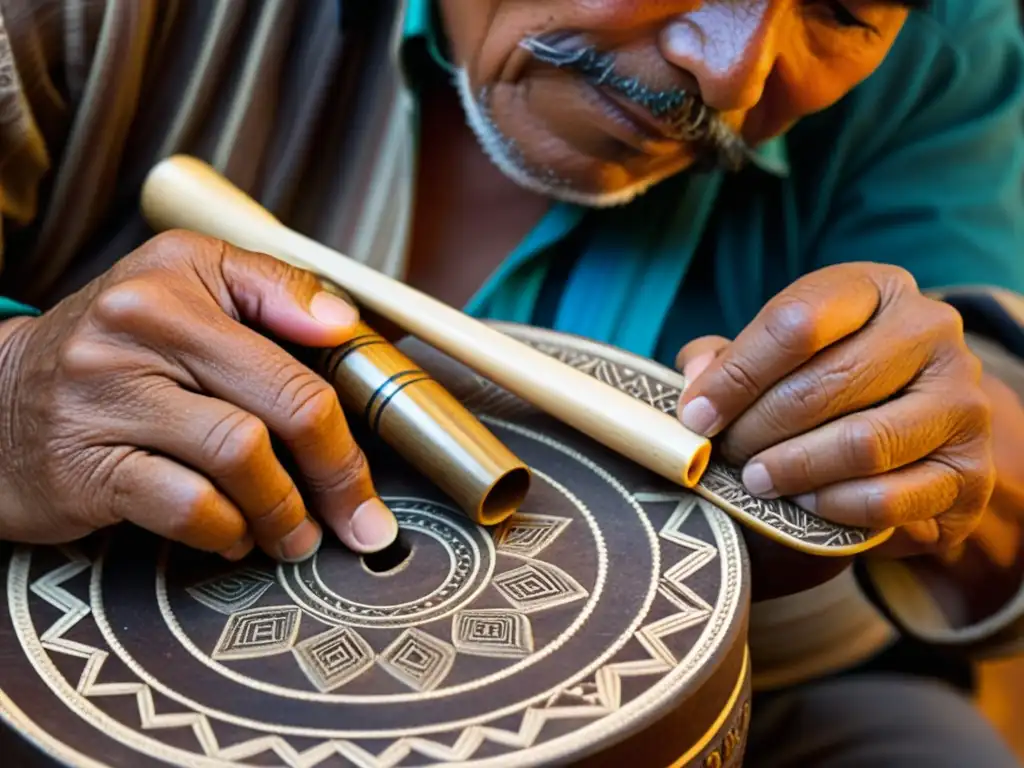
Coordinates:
(606, 699)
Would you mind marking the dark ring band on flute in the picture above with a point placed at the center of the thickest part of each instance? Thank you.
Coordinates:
(423, 423)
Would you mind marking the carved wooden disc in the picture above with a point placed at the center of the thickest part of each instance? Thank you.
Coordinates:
(603, 623)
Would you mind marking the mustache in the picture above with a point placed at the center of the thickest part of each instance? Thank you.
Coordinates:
(684, 114)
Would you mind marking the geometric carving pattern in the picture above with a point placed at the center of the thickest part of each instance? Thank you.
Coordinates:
(720, 480)
(781, 514)
(528, 535)
(656, 394)
(492, 632)
(258, 632)
(419, 660)
(673, 587)
(537, 586)
(488, 632)
(233, 592)
(334, 658)
(598, 696)
(692, 609)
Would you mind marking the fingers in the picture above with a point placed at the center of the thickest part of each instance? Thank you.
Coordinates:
(862, 444)
(933, 503)
(256, 288)
(231, 448)
(696, 356)
(225, 359)
(811, 315)
(840, 380)
(172, 501)
(288, 302)
(920, 462)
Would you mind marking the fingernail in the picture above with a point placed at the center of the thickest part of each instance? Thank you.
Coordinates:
(239, 549)
(696, 367)
(373, 525)
(806, 501)
(302, 543)
(757, 481)
(331, 310)
(700, 416)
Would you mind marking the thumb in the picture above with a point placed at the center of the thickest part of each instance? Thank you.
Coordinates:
(291, 303)
(698, 355)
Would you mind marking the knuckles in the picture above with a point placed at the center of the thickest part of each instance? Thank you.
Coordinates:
(309, 404)
(794, 326)
(198, 504)
(882, 510)
(869, 445)
(975, 410)
(82, 358)
(236, 444)
(736, 372)
(807, 392)
(129, 305)
(946, 319)
(352, 471)
(172, 249)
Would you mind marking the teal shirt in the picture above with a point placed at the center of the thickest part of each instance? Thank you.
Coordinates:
(921, 166)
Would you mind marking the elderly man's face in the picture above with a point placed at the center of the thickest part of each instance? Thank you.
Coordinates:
(593, 101)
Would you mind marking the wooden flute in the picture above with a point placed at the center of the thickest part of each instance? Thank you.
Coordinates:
(184, 192)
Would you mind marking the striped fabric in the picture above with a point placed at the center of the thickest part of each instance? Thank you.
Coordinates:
(300, 104)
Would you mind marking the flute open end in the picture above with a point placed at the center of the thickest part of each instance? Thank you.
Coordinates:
(694, 471)
(419, 419)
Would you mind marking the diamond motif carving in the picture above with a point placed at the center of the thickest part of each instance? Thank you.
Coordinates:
(528, 535)
(538, 586)
(258, 632)
(419, 660)
(334, 658)
(492, 632)
(233, 592)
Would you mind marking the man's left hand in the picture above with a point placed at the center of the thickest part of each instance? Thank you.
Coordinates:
(857, 396)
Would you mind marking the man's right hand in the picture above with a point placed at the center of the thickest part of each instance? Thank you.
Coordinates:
(147, 397)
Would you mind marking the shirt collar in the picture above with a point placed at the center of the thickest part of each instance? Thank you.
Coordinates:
(421, 27)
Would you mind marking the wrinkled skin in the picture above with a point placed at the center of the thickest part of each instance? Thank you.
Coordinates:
(145, 398)
(851, 390)
(760, 64)
(858, 396)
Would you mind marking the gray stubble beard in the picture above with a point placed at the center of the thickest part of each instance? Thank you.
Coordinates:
(506, 155)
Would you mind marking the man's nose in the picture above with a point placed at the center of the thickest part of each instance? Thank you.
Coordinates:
(728, 46)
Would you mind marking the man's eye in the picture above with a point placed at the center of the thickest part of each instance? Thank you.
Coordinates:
(843, 16)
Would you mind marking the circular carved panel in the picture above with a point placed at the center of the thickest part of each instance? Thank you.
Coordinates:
(612, 605)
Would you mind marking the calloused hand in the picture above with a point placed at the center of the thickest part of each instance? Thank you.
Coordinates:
(148, 397)
(856, 395)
